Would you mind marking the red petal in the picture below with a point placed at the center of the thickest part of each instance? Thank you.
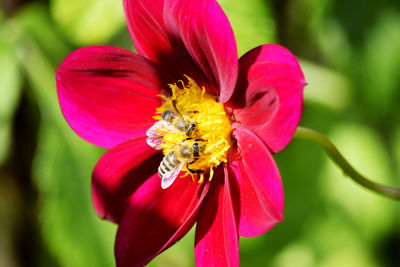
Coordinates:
(107, 94)
(151, 38)
(269, 96)
(208, 37)
(119, 173)
(259, 185)
(217, 242)
(156, 219)
(146, 26)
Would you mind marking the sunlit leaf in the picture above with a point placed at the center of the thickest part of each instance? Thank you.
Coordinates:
(325, 86)
(10, 91)
(336, 243)
(90, 21)
(35, 20)
(251, 21)
(334, 44)
(179, 255)
(303, 253)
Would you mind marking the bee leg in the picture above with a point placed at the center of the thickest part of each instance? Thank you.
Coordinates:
(191, 128)
(192, 111)
(194, 171)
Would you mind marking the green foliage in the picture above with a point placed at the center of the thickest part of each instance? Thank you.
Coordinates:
(62, 164)
(382, 63)
(88, 22)
(252, 23)
(351, 64)
(10, 78)
(325, 86)
(363, 148)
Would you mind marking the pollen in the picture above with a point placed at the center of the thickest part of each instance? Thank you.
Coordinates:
(211, 127)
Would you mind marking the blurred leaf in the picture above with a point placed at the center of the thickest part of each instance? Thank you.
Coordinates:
(252, 22)
(381, 78)
(180, 254)
(396, 150)
(88, 22)
(303, 253)
(336, 242)
(325, 86)
(371, 214)
(10, 92)
(309, 12)
(62, 171)
(349, 257)
(35, 20)
(334, 44)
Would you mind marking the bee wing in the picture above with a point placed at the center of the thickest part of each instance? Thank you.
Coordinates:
(156, 132)
(169, 177)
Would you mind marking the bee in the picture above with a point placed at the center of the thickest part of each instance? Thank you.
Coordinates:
(171, 122)
(186, 153)
(176, 119)
(172, 163)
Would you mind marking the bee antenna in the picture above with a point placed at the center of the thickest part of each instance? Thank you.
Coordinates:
(174, 105)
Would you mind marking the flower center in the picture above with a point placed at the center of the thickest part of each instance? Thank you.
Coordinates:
(196, 134)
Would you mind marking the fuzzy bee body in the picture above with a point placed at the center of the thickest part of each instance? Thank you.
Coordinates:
(174, 161)
(179, 122)
(187, 152)
(169, 162)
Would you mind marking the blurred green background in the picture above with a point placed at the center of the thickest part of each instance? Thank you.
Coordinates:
(350, 54)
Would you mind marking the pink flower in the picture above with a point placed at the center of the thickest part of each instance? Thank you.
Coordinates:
(110, 97)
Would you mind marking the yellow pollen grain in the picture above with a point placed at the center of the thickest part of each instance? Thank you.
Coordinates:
(213, 126)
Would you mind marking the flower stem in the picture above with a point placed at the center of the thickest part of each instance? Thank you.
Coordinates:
(334, 154)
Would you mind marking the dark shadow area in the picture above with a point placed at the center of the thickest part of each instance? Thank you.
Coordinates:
(30, 247)
(280, 14)
(9, 7)
(389, 248)
(173, 66)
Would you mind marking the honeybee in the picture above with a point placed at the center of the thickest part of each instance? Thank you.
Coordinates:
(187, 152)
(177, 120)
(173, 162)
(171, 122)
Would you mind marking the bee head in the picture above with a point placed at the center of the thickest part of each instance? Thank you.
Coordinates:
(168, 115)
(198, 148)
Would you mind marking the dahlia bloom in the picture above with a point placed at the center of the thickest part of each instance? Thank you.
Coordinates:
(242, 111)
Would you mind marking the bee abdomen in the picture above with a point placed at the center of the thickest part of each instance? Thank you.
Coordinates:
(167, 164)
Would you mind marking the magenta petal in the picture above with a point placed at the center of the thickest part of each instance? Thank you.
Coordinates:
(107, 94)
(119, 173)
(259, 184)
(208, 37)
(269, 94)
(156, 219)
(146, 26)
(217, 241)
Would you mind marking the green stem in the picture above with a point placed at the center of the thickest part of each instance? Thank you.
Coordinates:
(334, 154)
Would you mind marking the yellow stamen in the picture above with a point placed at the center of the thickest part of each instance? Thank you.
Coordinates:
(213, 126)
